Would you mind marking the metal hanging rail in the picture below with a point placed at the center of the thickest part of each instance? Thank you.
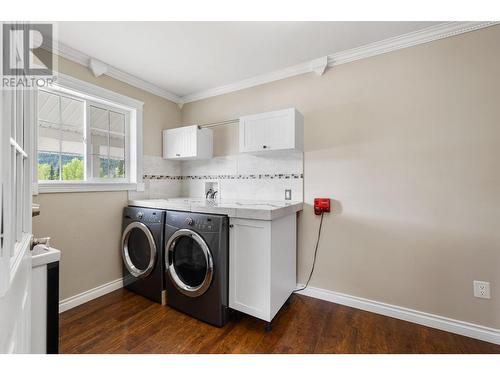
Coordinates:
(219, 123)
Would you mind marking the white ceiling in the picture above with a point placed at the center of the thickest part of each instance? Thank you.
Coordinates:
(187, 57)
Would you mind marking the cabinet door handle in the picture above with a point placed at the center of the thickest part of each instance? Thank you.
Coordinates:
(177, 154)
(264, 146)
(231, 225)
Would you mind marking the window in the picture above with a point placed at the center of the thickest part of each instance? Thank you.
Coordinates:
(61, 147)
(87, 141)
(107, 129)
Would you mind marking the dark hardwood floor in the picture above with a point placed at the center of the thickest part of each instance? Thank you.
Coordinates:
(123, 322)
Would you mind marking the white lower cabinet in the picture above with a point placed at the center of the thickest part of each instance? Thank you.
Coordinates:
(262, 265)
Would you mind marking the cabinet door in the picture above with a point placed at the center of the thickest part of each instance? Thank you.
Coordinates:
(268, 131)
(180, 142)
(253, 134)
(249, 267)
(188, 141)
(172, 144)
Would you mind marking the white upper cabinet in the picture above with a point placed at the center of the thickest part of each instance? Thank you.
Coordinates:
(270, 131)
(187, 143)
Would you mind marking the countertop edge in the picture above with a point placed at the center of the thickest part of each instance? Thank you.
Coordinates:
(239, 213)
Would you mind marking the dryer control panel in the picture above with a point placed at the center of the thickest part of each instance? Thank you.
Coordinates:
(198, 222)
(205, 224)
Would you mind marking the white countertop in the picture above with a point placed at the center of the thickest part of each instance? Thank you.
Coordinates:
(243, 209)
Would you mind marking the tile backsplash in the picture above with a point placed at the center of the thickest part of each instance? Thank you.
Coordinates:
(159, 188)
(241, 176)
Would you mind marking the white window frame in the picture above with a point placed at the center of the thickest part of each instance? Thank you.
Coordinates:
(93, 94)
(127, 114)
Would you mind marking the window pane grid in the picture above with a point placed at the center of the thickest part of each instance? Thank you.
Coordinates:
(80, 139)
(19, 201)
(18, 171)
(61, 147)
(13, 193)
(67, 127)
(15, 186)
(107, 129)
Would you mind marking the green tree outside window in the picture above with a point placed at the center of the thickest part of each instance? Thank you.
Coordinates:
(73, 170)
(44, 172)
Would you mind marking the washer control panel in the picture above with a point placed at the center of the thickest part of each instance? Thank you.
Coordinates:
(144, 215)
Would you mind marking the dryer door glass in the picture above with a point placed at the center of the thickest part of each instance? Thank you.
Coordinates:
(138, 249)
(190, 262)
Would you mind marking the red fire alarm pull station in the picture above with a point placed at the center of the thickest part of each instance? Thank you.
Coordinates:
(321, 205)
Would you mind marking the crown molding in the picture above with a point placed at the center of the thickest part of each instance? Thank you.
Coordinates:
(250, 82)
(441, 31)
(429, 34)
(81, 58)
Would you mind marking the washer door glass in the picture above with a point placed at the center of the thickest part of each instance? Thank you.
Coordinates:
(138, 249)
(190, 262)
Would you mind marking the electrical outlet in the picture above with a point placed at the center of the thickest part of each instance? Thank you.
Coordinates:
(482, 289)
(288, 194)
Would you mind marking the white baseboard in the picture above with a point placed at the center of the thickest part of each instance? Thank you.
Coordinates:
(89, 295)
(430, 320)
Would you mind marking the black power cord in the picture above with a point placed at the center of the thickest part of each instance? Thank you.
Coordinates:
(315, 255)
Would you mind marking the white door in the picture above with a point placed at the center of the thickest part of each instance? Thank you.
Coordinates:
(250, 267)
(16, 137)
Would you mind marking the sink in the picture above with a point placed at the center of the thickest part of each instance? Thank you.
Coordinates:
(42, 255)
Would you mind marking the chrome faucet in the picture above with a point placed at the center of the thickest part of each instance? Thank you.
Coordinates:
(39, 241)
(211, 194)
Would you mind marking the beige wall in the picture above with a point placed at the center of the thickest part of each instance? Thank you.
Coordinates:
(87, 226)
(407, 143)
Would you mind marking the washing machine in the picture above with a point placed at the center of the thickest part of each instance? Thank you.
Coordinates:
(142, 252)
(196, 262)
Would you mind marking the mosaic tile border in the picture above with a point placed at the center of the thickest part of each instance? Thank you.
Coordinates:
(278, 176)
